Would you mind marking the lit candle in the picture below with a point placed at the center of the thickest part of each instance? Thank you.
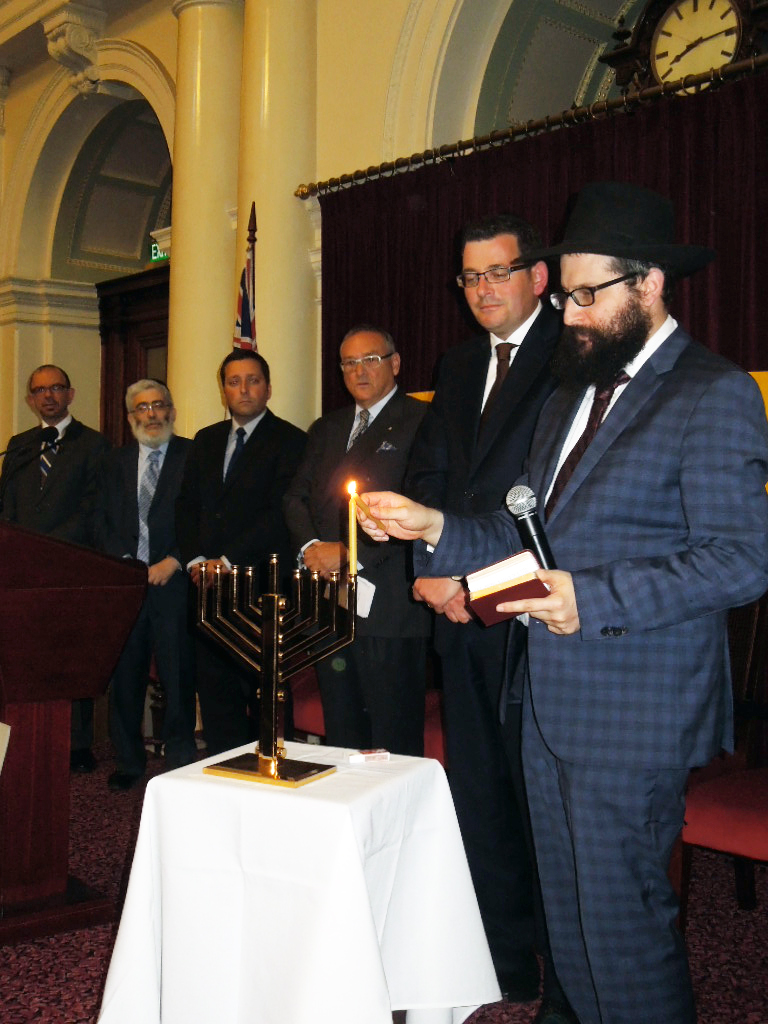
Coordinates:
(352, 488)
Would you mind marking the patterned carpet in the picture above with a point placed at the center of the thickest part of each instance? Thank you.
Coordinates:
(59, 980)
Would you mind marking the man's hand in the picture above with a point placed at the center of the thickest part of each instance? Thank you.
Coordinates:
(325, 557)
(210, 571)
(558, 610)
(401, 517)
(444, 595)
(159, 573)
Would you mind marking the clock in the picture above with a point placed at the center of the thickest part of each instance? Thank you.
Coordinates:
(694, 36)
(676, 38)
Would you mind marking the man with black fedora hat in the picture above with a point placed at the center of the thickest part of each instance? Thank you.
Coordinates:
(649, 463)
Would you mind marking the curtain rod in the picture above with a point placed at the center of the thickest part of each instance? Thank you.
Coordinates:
(574, 115)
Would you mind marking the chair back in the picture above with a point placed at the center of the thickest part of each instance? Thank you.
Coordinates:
(748, 644)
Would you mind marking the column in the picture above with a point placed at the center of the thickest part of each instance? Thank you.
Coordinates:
(205, 153)
(277, 152)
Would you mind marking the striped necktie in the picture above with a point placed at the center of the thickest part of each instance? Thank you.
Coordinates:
(146, 494)
(360, 429)
(48, 453)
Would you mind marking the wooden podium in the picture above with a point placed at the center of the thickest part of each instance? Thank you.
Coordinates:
(65, 614)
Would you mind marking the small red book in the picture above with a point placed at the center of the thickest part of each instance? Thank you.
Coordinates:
(511, 579)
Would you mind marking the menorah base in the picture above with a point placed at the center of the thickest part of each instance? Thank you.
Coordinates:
(275, 772)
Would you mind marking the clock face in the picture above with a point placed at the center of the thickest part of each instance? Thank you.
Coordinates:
(694, 36)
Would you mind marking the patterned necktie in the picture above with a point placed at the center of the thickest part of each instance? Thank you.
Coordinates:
(146, 494)
(239, 445)
(360, 429)
(502, 369)
(47, 454)
(600, 403)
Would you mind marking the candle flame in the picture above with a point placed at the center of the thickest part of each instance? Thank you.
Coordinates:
(352, 487)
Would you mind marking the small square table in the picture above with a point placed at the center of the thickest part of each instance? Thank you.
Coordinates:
(334, 903)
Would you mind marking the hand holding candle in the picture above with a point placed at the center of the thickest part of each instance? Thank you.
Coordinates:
(400, 518)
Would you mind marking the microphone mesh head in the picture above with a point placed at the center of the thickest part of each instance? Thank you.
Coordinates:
(520, 500)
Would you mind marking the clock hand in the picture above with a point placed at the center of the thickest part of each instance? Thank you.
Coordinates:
(686, 50)
(722, 32)
(697, 42)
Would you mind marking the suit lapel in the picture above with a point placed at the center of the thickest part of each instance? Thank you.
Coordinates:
(131, 479)
(166, 472)
(637, 393)
(551, 432)
(474, 388)
(360, 453)
(530, 360)
(252, 443)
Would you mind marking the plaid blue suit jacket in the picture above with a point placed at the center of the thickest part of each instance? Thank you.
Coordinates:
(664, 526)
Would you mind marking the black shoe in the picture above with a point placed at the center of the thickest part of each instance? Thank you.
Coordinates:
(82, 761)
(119, 782)
(522, 984)
(555, 1013)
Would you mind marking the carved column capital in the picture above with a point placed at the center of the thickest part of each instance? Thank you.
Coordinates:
(72, 33)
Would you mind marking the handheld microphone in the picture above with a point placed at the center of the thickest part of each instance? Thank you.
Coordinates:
(521, 502)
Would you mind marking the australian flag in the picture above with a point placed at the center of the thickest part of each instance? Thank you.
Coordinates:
(245, 325)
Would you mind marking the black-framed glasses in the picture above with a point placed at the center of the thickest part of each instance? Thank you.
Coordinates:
(584, 296)
(43, 389)
(155, 406)
(493, 275)
(369, 362)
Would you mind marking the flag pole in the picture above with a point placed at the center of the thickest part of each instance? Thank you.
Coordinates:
(245, 322)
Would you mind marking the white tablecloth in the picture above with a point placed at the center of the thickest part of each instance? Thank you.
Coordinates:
(336, 902)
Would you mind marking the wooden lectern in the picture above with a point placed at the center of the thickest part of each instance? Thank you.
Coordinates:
(65, 614)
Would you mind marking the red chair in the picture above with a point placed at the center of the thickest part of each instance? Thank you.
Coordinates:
(727, 802)
(308, 714)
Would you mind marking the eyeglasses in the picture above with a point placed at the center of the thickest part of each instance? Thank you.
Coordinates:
(494, 275)
(54, 389)
(584, 296)
(369, 362)
(155, 406)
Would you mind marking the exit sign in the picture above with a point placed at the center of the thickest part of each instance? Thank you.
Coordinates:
(156, 254)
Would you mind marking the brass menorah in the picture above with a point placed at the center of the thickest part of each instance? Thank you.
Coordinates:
(275, 638)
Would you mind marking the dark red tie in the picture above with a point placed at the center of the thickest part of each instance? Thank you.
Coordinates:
(600, 403)
(502, 369)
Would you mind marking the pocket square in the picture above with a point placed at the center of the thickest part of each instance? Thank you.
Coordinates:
(385, 446)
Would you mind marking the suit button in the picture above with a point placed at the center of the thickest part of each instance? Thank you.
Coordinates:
(613, 631)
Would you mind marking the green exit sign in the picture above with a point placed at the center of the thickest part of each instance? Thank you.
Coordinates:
(156, 254)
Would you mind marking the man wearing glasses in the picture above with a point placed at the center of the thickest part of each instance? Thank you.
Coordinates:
(469, 450)
(638, 461)
(48, 484)
(137, 520)
(373, 690)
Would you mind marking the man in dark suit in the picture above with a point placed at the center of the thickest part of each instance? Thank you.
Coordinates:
(660, 525)
(49, 484)
(373, 690)
(137, 520)
(471, 445)
(229, 512)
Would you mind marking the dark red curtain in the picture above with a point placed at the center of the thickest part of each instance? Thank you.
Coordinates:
(390, 251)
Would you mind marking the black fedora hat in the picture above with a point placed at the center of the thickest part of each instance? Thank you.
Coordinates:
(613, 218)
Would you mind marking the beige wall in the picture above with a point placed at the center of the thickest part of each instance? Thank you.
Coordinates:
(370, 100)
